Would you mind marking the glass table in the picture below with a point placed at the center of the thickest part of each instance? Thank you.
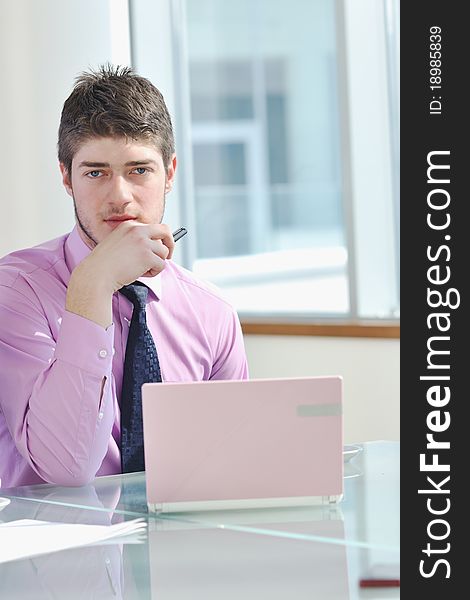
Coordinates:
(304, 552)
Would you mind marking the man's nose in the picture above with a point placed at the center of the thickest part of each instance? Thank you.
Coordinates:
(120, 192)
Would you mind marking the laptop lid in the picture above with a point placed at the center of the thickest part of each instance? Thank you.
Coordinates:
(236, 444)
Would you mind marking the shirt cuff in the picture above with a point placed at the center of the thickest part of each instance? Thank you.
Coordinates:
(85, 344)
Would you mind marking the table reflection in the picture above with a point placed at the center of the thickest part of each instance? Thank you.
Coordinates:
(185, 559)
(188, 560)
(111, 570)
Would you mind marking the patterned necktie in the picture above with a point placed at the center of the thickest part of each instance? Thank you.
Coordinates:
(140, 366)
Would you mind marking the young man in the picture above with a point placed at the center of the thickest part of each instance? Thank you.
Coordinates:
(64, 326)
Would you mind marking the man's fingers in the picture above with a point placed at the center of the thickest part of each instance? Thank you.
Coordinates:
(153, 272)
(163, 234)
(159, 248)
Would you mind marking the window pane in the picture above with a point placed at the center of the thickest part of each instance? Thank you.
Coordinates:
(266, 153)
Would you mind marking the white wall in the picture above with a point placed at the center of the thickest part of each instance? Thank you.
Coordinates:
(44, 45)
(369, 367)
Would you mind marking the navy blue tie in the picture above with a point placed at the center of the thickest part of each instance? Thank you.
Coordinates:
(140, 366)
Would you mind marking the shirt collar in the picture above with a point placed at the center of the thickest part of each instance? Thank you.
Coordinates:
(76, 250)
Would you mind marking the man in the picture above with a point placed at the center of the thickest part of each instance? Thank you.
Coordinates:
(64, 326)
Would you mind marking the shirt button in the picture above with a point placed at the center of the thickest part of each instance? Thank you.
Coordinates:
(103, 353)
(100, 416)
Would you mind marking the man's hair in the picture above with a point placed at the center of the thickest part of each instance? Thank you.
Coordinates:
(114, 102)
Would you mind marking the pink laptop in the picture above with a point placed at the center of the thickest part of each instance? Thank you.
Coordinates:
(243, 444)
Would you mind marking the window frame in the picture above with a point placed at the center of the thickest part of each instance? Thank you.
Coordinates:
(163, 24)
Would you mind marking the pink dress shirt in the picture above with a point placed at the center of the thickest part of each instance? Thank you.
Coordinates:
(53, 427)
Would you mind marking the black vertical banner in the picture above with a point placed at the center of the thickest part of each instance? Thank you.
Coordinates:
(435, 359)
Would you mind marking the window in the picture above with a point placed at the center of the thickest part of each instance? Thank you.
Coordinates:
(286, 119)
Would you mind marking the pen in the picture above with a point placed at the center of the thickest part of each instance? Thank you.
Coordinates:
(179, 233)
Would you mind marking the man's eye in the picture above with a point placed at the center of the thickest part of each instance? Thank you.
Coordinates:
(94, 174)
(140, 170)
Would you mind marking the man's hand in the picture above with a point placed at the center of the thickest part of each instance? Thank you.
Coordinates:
(131, 251)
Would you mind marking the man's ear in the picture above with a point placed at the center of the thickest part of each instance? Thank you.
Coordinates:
(66, 179)
(170, 174)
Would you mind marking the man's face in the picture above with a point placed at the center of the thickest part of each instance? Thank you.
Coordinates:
(112, 180)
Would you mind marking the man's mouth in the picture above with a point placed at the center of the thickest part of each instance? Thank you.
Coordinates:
(115, 221)
(120, 218)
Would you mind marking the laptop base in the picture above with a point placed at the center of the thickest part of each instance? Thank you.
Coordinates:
(208, 505)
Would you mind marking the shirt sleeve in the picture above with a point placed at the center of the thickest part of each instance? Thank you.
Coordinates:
(230, 358)
(56, 394)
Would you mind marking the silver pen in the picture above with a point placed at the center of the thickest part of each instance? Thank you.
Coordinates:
(179, 233)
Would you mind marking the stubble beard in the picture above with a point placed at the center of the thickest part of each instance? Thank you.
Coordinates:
(85, 229)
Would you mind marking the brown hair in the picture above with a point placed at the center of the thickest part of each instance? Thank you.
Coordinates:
(114, 102)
